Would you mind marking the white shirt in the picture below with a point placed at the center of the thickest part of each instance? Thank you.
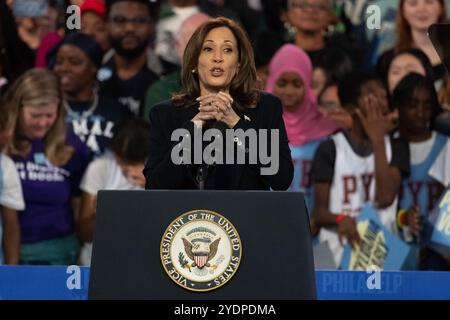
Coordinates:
(103, 173)
(11, 195)
(419, 151)
(356, 174)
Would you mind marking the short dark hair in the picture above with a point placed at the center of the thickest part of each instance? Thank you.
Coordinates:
(132, 140)
(152, 6)
(408, 86)
(265, 45)
(351, 84)
(335, 62)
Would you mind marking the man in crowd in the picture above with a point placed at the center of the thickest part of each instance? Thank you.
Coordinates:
(131, 66)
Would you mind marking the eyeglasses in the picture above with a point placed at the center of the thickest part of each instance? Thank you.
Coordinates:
(138, 21)
(307, 4)
(329, 105)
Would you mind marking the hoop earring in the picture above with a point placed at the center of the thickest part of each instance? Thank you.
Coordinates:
(194, 71)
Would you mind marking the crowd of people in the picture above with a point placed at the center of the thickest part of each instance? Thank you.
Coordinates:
(364, 114)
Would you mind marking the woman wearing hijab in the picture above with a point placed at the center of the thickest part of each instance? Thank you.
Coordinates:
(290, 77)
(94, 117)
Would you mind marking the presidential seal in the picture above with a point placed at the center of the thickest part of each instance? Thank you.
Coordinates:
(201, 250)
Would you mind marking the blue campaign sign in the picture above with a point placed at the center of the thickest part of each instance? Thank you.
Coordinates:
(440, 237)
(379, 247)
(72, 282)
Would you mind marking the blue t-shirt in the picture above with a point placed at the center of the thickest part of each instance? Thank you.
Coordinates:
(48, 190)
(419, 188)
(422, 190)
(302, 157)
(97, 128)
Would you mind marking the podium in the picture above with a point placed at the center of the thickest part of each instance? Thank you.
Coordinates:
(275, 253)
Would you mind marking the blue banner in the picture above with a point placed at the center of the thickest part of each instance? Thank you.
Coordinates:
(44, 283)
(72, 282)
(401, 285)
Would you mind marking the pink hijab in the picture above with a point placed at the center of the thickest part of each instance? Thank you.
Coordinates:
(305, 123)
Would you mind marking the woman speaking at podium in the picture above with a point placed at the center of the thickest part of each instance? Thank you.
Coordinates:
(219, 92)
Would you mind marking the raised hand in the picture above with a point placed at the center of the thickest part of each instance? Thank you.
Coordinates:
(375, 123)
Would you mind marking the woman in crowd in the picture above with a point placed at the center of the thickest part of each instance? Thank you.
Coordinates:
(219, 90)
(417, 103)
(290, 74)
(50, 159)
(94, 117)
(414, 17)
(405, 62)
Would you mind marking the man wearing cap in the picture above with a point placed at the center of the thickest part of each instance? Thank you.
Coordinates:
(93, 21)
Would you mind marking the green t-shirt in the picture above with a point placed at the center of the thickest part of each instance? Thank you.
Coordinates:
(161, 90)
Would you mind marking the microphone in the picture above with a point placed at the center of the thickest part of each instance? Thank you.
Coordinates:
(202, 171)
(204, 168)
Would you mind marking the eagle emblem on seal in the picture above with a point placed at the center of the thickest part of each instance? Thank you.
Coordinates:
(200, 245)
